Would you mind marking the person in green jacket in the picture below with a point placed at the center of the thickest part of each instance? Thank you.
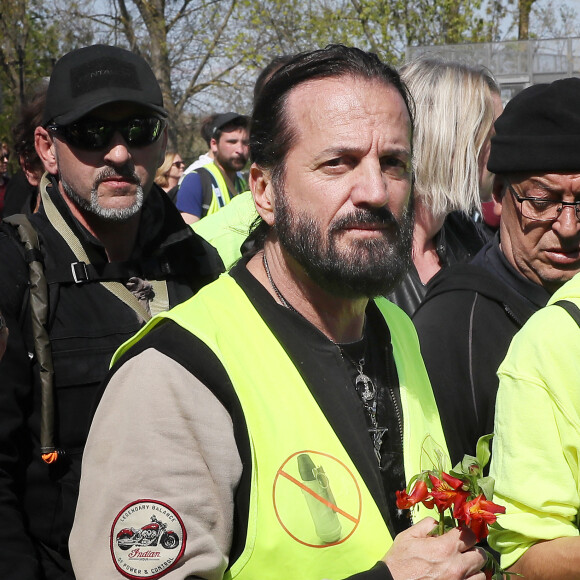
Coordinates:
(536, 451)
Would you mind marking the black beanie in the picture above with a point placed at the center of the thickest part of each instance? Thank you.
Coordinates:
(539, 130)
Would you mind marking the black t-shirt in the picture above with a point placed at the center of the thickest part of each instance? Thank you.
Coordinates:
(383, 413)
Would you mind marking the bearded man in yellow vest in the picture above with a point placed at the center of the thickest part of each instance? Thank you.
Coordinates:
(207, 189)
(262, 429)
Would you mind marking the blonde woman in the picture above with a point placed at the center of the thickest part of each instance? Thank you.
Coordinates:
(168, 174)
(456, 106)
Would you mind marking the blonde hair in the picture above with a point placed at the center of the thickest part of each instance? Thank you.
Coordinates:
(161, 176)
(454, 115)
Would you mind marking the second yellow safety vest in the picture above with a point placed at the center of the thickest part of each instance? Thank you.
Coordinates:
(221, 195)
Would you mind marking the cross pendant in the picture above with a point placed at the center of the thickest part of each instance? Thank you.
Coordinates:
(378, 433)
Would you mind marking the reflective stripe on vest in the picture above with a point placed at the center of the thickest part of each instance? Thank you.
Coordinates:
(311, 514)
(221, 195)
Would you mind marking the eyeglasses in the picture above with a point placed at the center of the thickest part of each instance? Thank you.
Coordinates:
(92, 134)
(178, 164)
(5, 156)
(543, 210)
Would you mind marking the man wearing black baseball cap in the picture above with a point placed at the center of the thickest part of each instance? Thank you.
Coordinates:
(534, 156)
(104, 253)
(209, 188)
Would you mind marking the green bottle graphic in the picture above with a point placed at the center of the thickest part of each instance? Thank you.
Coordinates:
(326, 522)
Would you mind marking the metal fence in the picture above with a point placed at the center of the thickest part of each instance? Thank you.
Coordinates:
(515, 64)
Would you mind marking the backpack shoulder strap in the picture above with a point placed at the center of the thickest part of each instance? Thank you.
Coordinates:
(570, 308)
(208, 184)
(38, 307)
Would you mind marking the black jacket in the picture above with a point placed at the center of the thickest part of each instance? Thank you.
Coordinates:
(457, 241)
(20, 196)
(86, 325)
(465, 326)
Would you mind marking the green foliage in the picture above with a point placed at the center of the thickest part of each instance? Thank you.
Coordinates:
(471, 468)
(207, 53)
(482, 450)
(32, 40)
(28, 41)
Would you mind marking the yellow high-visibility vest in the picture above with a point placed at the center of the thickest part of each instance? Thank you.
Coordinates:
(311, 515)
(220, 192)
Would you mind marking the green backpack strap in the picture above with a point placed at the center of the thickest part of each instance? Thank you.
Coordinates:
(39, 302)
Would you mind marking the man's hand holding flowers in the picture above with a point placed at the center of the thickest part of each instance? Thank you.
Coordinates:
(464, 489)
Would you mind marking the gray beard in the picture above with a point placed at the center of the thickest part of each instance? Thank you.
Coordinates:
(110, 214)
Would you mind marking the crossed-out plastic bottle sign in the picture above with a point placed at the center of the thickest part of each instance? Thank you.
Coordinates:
(317, 499)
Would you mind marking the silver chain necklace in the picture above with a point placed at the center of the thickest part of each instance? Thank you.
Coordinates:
(364, 385)
(274, 287)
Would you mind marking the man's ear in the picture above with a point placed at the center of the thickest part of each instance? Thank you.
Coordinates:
(45, 148)
(498, 192)
(213, 145)
(263, 193)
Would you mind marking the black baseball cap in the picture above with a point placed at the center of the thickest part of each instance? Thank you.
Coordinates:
(227, 119)
(89, 77)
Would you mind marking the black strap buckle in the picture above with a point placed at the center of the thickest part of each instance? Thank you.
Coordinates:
(79, 272)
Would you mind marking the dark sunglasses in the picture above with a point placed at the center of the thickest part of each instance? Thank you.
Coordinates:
(179, 164)
(93, 134)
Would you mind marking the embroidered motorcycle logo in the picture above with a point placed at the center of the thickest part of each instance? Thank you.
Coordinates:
(148, 535)
(147, 539)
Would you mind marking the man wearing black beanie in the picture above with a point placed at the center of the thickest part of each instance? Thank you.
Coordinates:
(535, 155)
(538, 405)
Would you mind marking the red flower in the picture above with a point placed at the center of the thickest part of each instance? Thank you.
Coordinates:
(420, 493)
(479, 513)
(448, 492)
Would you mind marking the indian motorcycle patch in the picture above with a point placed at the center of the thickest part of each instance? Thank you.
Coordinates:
(147, 539)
